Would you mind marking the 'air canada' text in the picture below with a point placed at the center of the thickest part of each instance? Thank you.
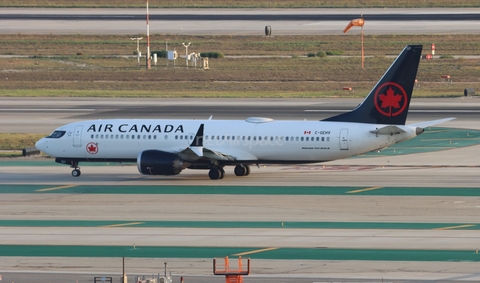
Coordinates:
(126, 128)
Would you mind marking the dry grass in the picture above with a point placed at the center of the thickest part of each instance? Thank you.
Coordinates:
(240, 3)
(52, 67)
(93, 45)
(18, 141)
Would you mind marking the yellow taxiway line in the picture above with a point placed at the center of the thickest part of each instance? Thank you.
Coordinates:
(364, 190)
(123, 224)
(56, 188)
(455, 227)
(256, 251)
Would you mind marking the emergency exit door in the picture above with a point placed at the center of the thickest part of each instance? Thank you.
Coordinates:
(344, 139)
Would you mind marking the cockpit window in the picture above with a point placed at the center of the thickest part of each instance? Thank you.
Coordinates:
(56, 134)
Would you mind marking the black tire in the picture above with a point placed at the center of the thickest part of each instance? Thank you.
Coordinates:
(214, 174)
(222, 173)
(247, 170)
(76, 173)
(240, 170)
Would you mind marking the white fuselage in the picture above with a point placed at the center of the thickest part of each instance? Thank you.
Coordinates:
(255, 140)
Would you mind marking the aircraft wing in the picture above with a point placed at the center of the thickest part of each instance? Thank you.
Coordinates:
(193, 153)
(196, 150)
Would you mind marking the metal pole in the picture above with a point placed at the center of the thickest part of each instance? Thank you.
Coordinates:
(363, 52)
(186, 52)
(148, 43)
(138, 47)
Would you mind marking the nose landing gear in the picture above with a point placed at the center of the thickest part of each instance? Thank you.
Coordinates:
(75, 172)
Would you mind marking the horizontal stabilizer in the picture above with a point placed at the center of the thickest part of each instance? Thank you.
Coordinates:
(388, 130)
(431, 123)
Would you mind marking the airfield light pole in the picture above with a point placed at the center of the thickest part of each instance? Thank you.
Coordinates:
(186, 52)
(138, 47)
(149, 63)
(358, 23)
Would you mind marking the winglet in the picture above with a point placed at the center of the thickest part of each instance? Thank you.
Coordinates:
(198, 140)
(197, 144)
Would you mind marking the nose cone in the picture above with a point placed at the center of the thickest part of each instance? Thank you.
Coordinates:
(40, 145)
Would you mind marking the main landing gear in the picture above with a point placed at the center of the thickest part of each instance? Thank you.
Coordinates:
(242, 170)
(75, 172)
(217, 173)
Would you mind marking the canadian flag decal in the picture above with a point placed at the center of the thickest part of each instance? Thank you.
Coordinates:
(307, 132)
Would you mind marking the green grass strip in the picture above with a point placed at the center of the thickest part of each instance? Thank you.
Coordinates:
(238, 190)
(318, 253)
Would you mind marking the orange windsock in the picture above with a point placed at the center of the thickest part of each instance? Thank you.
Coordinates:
(356, 22)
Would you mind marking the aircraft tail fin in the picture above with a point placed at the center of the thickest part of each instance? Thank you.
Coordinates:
(389, 100)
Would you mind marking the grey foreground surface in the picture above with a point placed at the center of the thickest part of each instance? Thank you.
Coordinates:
(450, 168)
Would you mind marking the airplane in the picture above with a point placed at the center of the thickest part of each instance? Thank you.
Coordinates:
(166, 147)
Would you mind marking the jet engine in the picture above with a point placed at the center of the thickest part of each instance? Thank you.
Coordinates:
(157, 162)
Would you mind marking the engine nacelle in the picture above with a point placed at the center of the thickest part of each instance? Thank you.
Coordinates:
(156, 162)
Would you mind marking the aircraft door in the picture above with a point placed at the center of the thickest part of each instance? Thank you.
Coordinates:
(77, 136)
(344, 139)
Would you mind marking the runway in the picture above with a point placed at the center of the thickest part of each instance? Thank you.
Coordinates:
(237, 21)
(400, 217)
(39, 115)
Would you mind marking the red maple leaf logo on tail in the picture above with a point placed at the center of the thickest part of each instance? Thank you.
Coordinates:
(390, 99)
(391, 96)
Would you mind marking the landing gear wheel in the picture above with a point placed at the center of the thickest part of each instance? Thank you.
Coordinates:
(222, 173)
(76, 173)
(214, 174)
(247, 172)
(240, 170)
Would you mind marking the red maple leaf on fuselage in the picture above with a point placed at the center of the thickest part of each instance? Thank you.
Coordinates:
(92, 148)
(390, 99)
